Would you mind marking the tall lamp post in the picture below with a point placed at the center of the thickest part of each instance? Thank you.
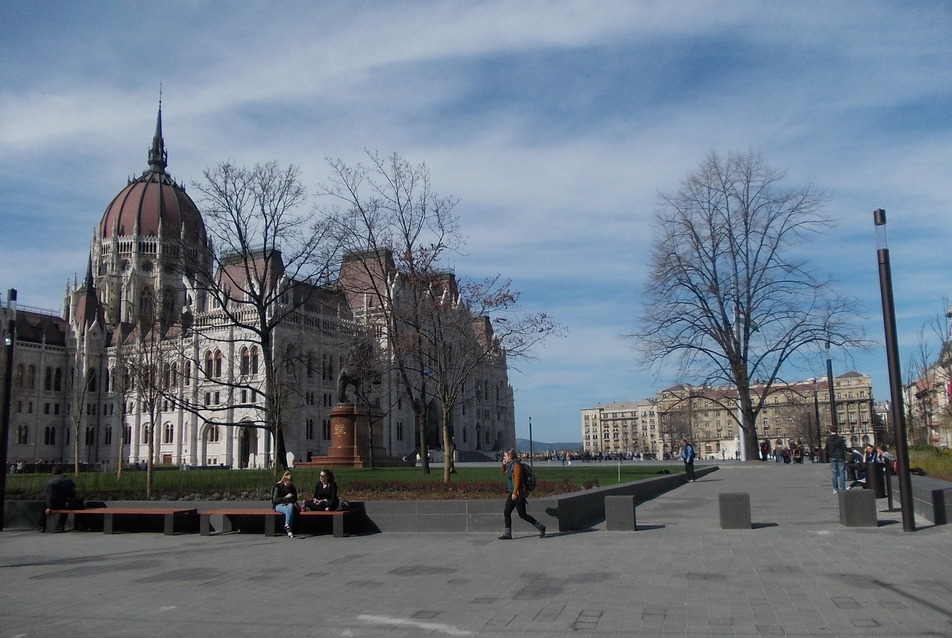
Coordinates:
(895, 378)
(9, 340)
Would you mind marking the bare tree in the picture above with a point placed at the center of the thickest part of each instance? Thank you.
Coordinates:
(460, 338)
(270, 257)
(727, 297)
(395, 230)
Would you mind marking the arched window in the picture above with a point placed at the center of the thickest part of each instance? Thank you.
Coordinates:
(209, 364)
(174, 375)
(187, 374)
(48, 379)
(49, 435)
(18, 375)
(213, 435)
(58, 380)
(145, 434)
(219, 358)
(254, 361)
(91, 380)
(107, 435)
(90, 435)
(30, 376)
(168, 433)
(105, 381)
(126, 434)
(245, 368)
(23, 434)
(146, 303)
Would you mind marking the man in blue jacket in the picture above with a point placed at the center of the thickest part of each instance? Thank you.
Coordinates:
(687, 455)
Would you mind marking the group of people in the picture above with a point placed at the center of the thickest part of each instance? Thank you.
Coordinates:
(794, 452)
(844, 459)
(284, 497)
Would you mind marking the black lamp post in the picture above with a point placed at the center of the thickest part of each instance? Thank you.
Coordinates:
(895, 377)
(9, 340)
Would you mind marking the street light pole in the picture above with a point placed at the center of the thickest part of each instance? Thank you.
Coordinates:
(9, 341)
(895, 377)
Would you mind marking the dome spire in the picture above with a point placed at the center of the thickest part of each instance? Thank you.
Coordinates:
(158, 156)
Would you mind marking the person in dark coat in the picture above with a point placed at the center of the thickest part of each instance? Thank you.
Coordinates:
(60, 492)
(325, 493)
(284, 500)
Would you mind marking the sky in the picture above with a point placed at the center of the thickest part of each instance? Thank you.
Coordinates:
(557, 125)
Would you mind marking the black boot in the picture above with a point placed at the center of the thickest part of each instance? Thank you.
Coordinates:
(507, 535)
(541, 528)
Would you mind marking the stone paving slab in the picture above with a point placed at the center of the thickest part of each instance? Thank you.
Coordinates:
(797, 573)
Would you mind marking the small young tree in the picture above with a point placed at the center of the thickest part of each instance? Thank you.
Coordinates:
(461, 338)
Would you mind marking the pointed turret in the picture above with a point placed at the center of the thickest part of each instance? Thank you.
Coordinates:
(158, 156)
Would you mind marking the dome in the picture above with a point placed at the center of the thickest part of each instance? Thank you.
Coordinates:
(154, 204)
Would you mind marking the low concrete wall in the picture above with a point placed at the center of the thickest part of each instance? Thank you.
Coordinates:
(931, 498)
(570, 512)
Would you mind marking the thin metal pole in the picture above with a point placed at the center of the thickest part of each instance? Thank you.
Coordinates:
(895, 383)
(9, 339)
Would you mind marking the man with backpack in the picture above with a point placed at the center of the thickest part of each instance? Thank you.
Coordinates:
(516, 475)
(688, 455)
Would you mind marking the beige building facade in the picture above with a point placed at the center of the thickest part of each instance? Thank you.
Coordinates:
(793, 412)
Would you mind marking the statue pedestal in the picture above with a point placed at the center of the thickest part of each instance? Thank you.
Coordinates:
(351, 444)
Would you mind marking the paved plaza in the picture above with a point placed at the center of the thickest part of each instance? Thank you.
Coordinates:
(797, 573)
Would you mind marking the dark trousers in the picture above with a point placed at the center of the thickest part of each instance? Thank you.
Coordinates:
(519, 504)
(689, 469)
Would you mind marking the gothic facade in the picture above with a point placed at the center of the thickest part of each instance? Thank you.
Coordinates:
(73, 397)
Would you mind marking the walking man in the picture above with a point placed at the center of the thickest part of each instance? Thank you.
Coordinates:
(687, 455)
(836, 452)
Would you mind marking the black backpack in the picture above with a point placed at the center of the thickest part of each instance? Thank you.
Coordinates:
(529, 477)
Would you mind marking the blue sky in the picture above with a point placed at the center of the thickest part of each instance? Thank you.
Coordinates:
(556, 124)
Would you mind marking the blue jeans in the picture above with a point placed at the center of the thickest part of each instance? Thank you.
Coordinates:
(288, 510)
(838, 472)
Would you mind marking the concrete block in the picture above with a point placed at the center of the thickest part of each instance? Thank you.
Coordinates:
(735, 510)
(620, 513)
(857, 508)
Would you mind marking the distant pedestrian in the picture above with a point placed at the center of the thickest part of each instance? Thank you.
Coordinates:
(60, 493)
(516, 498)
(688, 455)
(836, 453)
(764, 450)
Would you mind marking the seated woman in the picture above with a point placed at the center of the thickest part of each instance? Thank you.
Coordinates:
(325, 493)
(284, 500)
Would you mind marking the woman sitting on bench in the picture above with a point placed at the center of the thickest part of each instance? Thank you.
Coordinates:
(284, 500)
(325, 493)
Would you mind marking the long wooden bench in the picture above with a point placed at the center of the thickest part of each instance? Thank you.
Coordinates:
(172, 518)
(234, 518)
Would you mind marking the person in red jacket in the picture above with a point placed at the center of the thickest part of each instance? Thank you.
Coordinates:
(516, 499)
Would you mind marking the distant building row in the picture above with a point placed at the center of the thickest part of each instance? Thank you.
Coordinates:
(800, 412)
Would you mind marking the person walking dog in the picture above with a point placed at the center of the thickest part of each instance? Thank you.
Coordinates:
(516, 498)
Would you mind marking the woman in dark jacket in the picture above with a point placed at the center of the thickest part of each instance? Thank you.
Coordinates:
(516, 499)
(284, 500)
(325, 493)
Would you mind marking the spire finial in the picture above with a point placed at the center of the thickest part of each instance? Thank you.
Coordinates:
(158, 156)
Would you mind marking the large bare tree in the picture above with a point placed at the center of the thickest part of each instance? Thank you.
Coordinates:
(729, 298)
(395, 230)
(270, 255)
